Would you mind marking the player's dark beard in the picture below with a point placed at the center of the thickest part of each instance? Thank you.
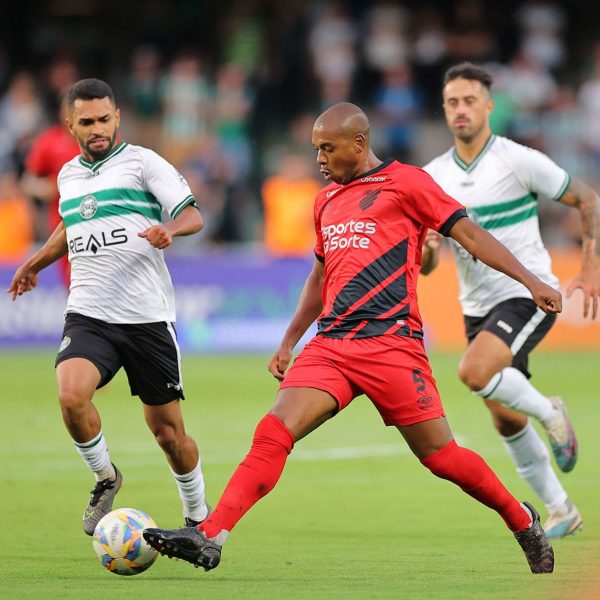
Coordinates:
(468, 137)
(99, 155)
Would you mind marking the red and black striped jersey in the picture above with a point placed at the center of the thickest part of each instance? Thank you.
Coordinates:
(370, 233)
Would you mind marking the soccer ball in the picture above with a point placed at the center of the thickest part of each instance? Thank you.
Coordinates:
(119, 544)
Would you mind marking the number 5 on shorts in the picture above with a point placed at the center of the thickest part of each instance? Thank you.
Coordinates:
(419, 381)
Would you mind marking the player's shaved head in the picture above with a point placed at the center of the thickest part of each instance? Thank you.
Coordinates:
(345, 118)
(341, 138)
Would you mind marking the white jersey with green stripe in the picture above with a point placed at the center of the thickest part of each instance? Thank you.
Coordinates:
(117, 276)
(500, 190)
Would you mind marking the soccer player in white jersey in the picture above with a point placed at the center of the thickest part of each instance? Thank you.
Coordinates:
(499, 182)
(121, 308)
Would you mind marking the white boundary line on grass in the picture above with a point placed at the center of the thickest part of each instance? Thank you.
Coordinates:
(139, 457)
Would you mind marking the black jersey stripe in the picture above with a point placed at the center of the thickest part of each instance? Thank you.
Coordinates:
(381, 326)
(364, 282)
(381, 303)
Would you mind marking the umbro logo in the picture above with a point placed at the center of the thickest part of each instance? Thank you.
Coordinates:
(368, 199)
(467, 183)
(424, 403)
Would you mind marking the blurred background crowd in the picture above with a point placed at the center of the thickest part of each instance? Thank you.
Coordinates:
(228, 92)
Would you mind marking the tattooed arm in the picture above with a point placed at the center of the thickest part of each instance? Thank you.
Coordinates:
(584, 198)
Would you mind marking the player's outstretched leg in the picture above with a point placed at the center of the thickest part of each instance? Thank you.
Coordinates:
(536, 546)
(254, 478)
(101, 501)
(187, 543)
(471, 473)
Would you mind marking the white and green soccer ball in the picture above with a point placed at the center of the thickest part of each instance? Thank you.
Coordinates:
(119, 543)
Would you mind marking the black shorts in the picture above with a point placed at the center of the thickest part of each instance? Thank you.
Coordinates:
(148, 352)
(519, 323)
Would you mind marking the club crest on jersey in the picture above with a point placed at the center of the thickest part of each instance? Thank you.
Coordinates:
(368, 199)
(88, 206)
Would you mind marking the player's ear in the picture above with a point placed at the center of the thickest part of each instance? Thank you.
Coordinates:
(70, 126)
(360, 143)
(117, 117)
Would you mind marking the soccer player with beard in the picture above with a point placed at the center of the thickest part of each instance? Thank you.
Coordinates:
(121, 305)
(499, 182)
(371, 221)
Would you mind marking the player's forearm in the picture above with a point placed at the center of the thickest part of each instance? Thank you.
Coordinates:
(308, 309)
(581, 196)
(54, 248)
(189, 221)
(589, 209)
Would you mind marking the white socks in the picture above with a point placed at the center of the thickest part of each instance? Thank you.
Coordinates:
(531, 457)
(511, 388)
(191, 491)
(96, 457)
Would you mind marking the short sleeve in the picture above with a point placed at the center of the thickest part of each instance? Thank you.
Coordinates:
(167, 184)
(539, 174)
(426, 203)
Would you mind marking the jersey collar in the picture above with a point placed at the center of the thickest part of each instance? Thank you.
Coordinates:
(94, 166)
(470, 166)
(383, 165)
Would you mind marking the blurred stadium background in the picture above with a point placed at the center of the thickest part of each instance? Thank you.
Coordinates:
(228, 92)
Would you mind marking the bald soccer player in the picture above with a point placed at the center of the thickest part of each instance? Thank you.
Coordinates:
(371, 221)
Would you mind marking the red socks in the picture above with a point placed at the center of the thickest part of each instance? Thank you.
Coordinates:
(258, 473)
(471, 473)
(254, 478)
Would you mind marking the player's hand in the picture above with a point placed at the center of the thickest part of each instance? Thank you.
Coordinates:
(157, 236)
(433, 240)
(24, 280)
(546, 297)
(588, 281)
(279, 363)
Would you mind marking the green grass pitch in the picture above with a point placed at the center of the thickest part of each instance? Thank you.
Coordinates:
(354, 516)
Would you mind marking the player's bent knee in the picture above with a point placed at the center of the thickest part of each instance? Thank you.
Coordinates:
(167, 439)
(472, 377)
(73, 399)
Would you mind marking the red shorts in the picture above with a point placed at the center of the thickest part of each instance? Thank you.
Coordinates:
(393, 371)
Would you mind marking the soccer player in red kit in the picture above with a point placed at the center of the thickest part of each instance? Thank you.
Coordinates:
(371, 222)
